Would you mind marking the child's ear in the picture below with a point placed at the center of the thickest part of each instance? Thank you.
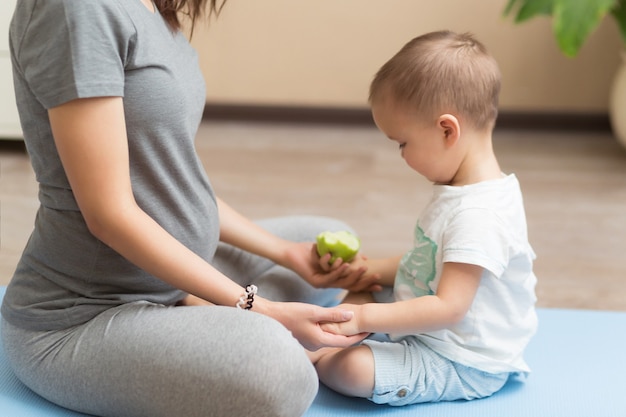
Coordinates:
(450, 129)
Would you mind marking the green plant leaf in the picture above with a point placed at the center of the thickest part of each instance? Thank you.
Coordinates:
(619, 13)
(527, 9)
(574, 20)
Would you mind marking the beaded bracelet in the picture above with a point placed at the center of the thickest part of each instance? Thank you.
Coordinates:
(247, 298)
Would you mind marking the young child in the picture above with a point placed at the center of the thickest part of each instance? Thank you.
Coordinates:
(463, 309)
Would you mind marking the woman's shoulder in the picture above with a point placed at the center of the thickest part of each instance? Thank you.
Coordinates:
(71, 12)
(66, 6)
(44, 20)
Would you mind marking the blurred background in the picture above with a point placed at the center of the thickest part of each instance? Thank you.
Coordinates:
(287, 131)
(324, 53)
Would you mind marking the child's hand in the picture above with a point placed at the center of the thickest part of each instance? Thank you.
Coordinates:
(352, 276)
(304, 321)
(356, 278)
(345, 328)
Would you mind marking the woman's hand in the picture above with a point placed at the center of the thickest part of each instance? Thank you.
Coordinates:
(302, 258)
(320, 273)
(304, 322)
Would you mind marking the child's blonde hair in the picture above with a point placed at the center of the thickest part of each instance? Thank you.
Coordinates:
(443, 72)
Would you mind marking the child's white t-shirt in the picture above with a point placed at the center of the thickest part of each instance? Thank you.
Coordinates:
(481, 224)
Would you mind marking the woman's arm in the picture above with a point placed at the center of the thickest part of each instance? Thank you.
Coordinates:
(90, 136)
(239, 231)
(301, 257)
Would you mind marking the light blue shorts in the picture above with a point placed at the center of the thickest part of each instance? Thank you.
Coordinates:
(409, 372)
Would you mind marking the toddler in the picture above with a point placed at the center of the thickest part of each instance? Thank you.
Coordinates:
(463, 307)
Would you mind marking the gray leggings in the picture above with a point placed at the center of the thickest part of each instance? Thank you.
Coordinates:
(144, 359)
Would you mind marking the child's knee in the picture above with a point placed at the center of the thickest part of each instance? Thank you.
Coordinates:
(349, 371)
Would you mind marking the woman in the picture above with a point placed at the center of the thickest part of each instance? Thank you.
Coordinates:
(98, 315)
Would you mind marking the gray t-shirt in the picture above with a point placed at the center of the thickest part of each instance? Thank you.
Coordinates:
(68, 49)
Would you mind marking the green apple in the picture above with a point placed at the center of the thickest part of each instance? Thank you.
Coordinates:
(342, 244)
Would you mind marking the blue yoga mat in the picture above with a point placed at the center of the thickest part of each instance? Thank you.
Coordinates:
(578, 366)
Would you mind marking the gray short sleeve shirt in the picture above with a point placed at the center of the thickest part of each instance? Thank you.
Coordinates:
(67, 49)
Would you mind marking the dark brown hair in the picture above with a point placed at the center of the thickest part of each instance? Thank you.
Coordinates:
(443, 72)
(171, 10)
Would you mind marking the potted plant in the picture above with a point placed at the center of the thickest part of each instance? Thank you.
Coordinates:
(573, 20)
(572, 23)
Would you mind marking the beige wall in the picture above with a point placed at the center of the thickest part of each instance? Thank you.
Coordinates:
(324, 53)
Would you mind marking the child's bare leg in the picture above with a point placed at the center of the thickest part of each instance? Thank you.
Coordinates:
(349, 371)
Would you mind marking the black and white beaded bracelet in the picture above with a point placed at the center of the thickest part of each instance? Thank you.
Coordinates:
(247, 298)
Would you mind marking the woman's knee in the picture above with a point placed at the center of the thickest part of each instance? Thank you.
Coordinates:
(285, 380)
(259, 369)
(224, 362)
(303, 228)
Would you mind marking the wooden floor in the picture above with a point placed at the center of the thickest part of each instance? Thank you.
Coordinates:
(574, 186)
